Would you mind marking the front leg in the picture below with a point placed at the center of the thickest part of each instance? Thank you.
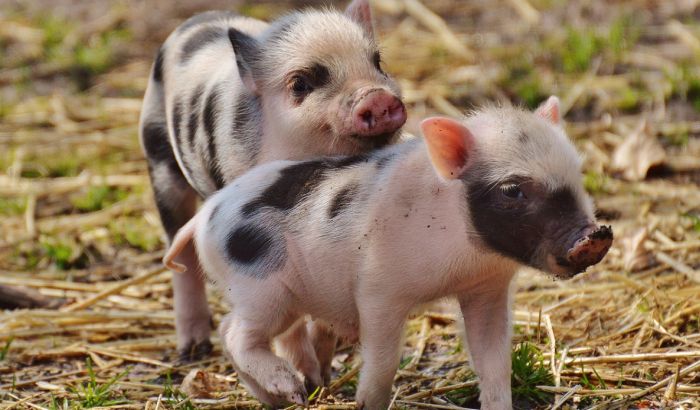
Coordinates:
(381, 327)
(487, 321)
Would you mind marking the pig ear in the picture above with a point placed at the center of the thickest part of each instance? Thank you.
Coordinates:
(359, 12)
(550, 111)
(449, 143)
(246, 49)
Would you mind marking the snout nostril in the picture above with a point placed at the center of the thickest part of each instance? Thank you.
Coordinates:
(367, 118)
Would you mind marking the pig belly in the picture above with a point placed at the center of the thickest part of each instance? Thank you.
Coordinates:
(326, 294)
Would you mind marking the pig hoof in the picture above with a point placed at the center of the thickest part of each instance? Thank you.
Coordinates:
(288, 390)
(195, 351)
(310, 386)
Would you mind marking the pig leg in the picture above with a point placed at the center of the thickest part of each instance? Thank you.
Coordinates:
(381, 328)
(295, 345)
(324, 341)
(177, 203)
(246, 337)
(486, 313)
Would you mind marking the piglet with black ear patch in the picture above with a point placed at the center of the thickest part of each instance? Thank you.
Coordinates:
(357, 242)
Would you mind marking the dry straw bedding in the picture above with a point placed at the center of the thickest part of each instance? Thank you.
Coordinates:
(627, 333)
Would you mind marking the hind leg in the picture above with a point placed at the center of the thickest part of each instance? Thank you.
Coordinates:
(177, 203)
(324, 341)
(295, 345)
(246, 337)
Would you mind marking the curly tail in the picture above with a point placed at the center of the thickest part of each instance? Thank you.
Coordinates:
(181, 240)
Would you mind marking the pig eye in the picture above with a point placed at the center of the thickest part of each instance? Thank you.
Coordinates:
(301, 87)
(377, 61)
(512, 191)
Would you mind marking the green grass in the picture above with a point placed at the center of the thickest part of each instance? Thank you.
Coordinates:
(529, 372)
(93, 394)
(595, 183)
(98, 197)
(12, 206)
(405, 361)
(694, 220)
(464, 396)
(86, 58)
(135, 232)
(579, 49)
(64, 252)
(177, 398)
(5, 349)
(55, 404)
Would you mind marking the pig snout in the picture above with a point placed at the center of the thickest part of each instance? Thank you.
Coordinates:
(377, 112)
(589, 248)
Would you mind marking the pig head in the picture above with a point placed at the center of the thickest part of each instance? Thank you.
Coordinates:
(525, 194)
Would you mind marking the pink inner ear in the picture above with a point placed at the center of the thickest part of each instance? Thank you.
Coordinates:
(549, 110)
(448, 144)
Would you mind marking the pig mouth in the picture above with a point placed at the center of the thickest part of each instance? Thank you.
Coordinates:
(374, 142)
(586, 251)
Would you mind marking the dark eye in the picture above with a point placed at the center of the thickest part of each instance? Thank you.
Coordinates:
(377, 61)
(512, 191)
(301, 87)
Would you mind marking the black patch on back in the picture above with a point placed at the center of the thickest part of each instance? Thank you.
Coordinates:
(296, 181)
(209, 115)
(523, 138)
(199, 40)
(518, 231)
(247, 244)
(158, 66)
(342, 199)
(193, 122)
(206, 17)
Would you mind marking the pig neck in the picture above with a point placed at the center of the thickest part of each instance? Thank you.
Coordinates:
(434, 220)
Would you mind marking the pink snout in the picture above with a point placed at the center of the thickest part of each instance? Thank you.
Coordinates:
(590, 248)
(377, 112)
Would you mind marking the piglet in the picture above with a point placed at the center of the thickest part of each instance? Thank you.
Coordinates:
(357, 242)
(228, 92)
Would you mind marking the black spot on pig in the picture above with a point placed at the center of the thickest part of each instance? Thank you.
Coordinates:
(247, 123)
(177, 119)
(342, 199)
(249, 244)
(206, 17)
(155, 142)
(296, 181)
(177, 123)
(199, 40)
(193, 122)
(158, 66)
(209, 115)
(319, 75)
(523, 138)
